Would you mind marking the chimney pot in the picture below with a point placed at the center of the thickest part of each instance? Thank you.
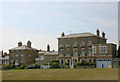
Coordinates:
(19, 44)
(48, 48)
(29, 44)
(63, 34)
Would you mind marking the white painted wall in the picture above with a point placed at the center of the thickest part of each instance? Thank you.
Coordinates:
(106, 63)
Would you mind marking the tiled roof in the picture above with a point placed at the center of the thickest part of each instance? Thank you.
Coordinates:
(22, 48)
(51, 53)
(86, 34)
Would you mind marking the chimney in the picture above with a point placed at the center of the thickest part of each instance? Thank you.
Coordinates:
(2, 52)
(29, 44)
(98, 32)
(103, 35)
(119, 43)
(48, 48)
(19, 44)
(63, 34)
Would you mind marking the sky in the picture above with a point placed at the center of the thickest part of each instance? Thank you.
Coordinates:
(43, 22)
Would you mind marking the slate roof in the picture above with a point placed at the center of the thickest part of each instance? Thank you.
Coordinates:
(23, 47)
(86, 34)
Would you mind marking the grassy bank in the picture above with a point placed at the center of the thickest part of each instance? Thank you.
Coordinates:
(61, 74)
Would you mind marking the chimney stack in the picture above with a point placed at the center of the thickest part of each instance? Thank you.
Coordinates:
(48, 48)
(63, 34)
(2, 52)
(29, 44)
(103, 35)
(19, 44)
(98, 32)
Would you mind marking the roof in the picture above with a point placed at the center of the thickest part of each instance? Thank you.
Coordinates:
(23, 47)
(51, 53)
(41, 52)
(86, 34)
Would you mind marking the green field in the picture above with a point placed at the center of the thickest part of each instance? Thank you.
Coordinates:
(61, 74)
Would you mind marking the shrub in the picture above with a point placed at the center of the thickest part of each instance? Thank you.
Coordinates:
(78, 64)
(66, 63)
(54, 65)
(62, 66)
(37, 65)
(12, 66)
(22, 67)
(55, 61)
(6, 67)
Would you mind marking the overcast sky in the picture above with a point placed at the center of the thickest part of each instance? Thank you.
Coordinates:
(43, 22)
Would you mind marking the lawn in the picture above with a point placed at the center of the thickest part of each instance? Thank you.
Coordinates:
(61, 74)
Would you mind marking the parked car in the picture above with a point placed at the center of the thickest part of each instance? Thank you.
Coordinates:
(32, 67)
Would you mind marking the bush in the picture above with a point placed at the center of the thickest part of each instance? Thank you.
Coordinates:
(78, 64)
(37, 65)
(12, 66)
(55, 61)
(90, 64)
(66, 63)
(22, 67)
(54, 65)
(62, 66)
(6, 67)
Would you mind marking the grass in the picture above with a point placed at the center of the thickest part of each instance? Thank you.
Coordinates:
(61, 74)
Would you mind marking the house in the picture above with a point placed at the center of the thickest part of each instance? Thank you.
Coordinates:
(74, 48)
(23, 54)
(4, 58)
(45, 57)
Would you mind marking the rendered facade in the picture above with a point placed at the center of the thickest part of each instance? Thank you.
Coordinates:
(73, 48)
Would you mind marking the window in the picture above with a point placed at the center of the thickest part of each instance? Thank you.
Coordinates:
(94, 50)
(68, 42)
(83, 51)
(75, 41)
(21, 56)
(90, 41)
(21, 52)
(61, 42)
(62, 51)
(90, 51)
(68, 51)
(75, 51)
(103, 49)
(50, 58)
(16, 52)
(41, 57)
(12, 52)
(57, 58)
(83, 41)
(29, 58)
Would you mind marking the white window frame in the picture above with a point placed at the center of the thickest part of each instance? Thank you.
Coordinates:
(82, 51)
(75, 52)
(103, 49)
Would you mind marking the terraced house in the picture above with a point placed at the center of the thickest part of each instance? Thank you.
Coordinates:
(73, 48)
(23, 54)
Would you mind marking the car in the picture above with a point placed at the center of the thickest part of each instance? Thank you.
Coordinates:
(31, 67)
